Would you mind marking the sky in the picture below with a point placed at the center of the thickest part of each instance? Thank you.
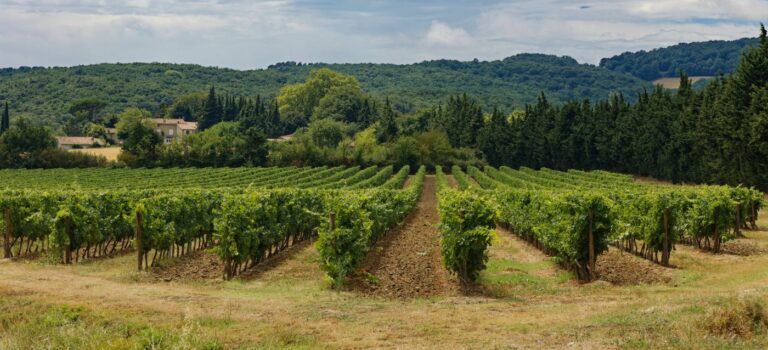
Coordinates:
(254, 34)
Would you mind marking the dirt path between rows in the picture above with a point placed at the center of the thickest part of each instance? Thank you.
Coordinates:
(406, 262)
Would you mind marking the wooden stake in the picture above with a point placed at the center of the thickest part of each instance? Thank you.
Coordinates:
(738, 220)
(591, 248)
(138, 240)
(8, 234)
(68, 247)
(333, 221)
(665, 253)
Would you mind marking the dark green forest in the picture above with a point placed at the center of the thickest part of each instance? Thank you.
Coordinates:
(45, 94)
(709, 58)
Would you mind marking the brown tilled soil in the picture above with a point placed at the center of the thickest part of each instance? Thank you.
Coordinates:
(206, 265)
(406, 262)
(200, 265)
(624, 268)
(743, 247)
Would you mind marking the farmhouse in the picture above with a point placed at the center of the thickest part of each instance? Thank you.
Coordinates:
(72, 142)
(174, 129)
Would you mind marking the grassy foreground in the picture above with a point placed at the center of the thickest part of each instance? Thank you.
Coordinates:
(712, 302)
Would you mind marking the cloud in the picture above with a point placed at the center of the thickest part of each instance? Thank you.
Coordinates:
(440, 33)
(251, 34)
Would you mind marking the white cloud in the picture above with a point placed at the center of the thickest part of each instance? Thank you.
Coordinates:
(440, 33)
(713, 9)
(251, 34)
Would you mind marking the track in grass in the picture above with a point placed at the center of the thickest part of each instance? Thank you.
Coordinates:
(406, 262)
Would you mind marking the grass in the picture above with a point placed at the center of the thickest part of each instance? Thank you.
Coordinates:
(104, 304)
(110, 153)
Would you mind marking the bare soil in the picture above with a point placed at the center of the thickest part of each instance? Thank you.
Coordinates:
(743, 247)
(199, 265)
(624, 268)
(406, 263)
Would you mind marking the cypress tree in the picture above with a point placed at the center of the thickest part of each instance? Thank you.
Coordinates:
(387, 130)
(213, 111)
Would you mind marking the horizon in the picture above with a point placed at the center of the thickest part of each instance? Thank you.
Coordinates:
(356, 63)
(244, 35)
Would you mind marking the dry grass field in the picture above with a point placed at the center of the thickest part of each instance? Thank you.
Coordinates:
(674, 83)
(108, 152)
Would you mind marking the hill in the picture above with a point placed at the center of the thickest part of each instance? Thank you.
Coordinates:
(709, 58)
(509, 83)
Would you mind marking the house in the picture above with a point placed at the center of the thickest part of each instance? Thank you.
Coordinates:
(73, 142)
(174, 129)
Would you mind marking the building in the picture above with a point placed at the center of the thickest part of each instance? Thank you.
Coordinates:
(174, 129)
(75, 142)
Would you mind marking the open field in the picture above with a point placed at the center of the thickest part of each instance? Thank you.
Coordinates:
(674, 83)
(110, 153)
(523, 300)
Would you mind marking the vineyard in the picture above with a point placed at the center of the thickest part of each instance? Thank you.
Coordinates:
(247, 214)
(376, 232)
(575, 215)
(251, 214)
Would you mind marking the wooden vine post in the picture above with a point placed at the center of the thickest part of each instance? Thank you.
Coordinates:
(8, 235)
(332, 218)
(666, 248)
(737, 231)
(716, 237)
(138, 241)
(68, 246)
(754, 216)
(592, 258)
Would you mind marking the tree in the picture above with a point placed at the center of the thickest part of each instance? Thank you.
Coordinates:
(213, 111)
(387, 129)
(494, 139)
(343, 103)
(141, 142)
(5, 123)
(189, 107)
(297, 102)
(21, 145)
(83, 112)
(406, 151)
(326, 132)
(87, 108)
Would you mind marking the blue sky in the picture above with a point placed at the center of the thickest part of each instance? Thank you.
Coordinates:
(253, 34)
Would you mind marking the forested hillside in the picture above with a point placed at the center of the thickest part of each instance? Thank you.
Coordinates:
(708, 58)
(46, 93)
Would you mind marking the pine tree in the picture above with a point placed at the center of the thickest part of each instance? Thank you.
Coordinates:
(5, 123)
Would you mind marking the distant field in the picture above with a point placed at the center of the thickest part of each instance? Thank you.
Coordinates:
(674, 83)
(109, 152)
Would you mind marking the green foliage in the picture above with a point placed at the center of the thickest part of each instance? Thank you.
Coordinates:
(141, 142)
(560, 222)
(708, 58)
(249, 226)
(358, 221)
(225, 144)
(467, 223)
(47, 93)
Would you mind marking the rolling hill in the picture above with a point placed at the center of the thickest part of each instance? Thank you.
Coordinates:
(45, 93)
(709, 58)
